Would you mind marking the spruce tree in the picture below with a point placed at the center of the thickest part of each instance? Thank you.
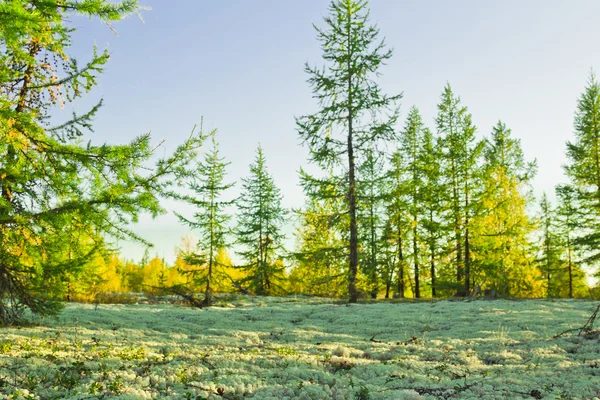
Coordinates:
(354, 112)
(259, 228)
(60, 197)
(210, 220)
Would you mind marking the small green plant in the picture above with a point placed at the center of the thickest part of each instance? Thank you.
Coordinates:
(104, 370)
(116, 386)
(6, 346)
(182, 376)
(286, 351)
(502, 334)
(26, 346)
(31, 383)
(362, 394)
(132, 353)
(442, 367)
(96, 388)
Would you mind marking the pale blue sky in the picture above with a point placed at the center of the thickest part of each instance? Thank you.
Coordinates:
(239, 63)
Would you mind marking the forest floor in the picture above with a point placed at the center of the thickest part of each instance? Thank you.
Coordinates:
(302, 348)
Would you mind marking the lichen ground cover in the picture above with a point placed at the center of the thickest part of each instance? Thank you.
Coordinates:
(299, 348)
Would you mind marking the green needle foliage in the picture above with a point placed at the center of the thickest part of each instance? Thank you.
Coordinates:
(549, 259)
(259, 228)
(502, 227)
(433, 202)
(210, 220)
(371, 195)
(461, 153)
(583, 168)
(396, 224)
(568, 217)
(354, 113)
(411, 139)
(321, 249)
(61, 197)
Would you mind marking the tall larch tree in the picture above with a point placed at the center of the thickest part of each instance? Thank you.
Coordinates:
(549, 259)
(259, 228)
(569, 217)
(354, 112)
(396, 226)
(61, 191)
(371, 194)
(411, 140)
(433, 201)
(461, 156)
(321, 249)
(583, 168)
(503, 228)
(210, 220)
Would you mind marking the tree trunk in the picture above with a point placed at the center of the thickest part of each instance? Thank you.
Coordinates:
(458, 241)
(388, 286)
(467, 247)
(416, 260)
(401, 287)
(432, 255)
(570, 267)
(351, 183)
(467, 264)
(353, 231)
(207, 294)
(433, 294)
(547, 263)
(373, 260)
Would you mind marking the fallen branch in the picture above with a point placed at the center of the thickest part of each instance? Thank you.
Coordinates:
(589, 325)
(586, 329)
(375, 340)
(186, 295)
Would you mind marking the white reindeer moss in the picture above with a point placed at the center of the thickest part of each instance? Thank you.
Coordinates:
(285, 348)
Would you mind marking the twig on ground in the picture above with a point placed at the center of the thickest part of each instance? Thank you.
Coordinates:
(586, 329)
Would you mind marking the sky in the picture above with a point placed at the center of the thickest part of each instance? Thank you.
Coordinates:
(238, 64)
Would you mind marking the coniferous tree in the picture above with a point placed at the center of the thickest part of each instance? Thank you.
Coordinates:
(371, 193)
(583, 169)
(461, 155)
(321, 249)
(549, 259)
(568, 216)
(352, 117)
(54, 188)
(411, 140)
(503, 227)
(210, 219)
(397, 222)
(259, 227)
(389, 258)
(433, 201)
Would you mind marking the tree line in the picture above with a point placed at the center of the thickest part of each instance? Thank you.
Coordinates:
(399, 209)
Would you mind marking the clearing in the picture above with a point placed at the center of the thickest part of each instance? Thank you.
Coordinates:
(301, 348)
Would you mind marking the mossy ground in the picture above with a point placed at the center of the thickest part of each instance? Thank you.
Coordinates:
(300, 348)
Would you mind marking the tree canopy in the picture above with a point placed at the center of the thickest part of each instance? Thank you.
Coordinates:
(61, 194)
